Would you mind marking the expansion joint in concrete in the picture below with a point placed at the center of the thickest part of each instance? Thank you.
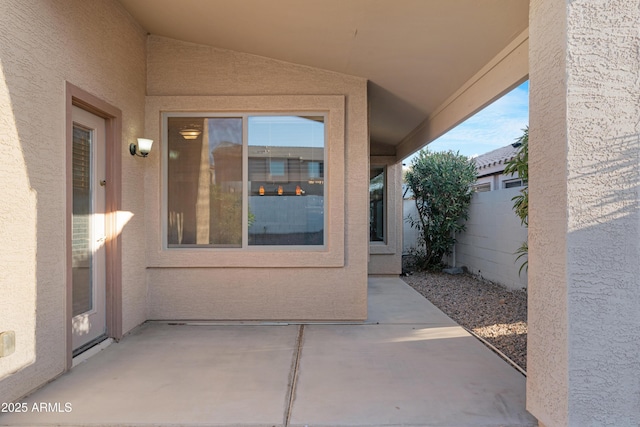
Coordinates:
(293, 377)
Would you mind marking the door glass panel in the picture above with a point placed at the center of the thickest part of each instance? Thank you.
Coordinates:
(82, 250)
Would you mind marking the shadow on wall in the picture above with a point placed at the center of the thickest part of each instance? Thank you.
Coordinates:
(603, 244)
(611, 186)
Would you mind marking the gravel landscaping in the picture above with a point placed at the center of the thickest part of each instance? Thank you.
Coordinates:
(494, 313)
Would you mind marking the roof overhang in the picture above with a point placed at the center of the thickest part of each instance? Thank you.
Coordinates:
(430, 63)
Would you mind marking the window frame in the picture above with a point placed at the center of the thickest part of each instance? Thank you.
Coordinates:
(385, 207)
(279, 176)
(507, 183)
(316, 174)
(244, 115)
(184, 261)
(483, 187)
(393, 207)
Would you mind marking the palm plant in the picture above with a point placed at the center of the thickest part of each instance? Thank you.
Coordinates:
(520, 165)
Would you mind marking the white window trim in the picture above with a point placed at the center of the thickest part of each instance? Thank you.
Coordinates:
(503, 184)
(330, 255)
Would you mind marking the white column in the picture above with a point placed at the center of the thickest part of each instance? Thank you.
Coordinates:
(584, 230)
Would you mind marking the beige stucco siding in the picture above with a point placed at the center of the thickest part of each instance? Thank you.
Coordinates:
(95, 46)
(547, 380)
(385, 258)
(584, 217)
(242, 293)
(261, 284)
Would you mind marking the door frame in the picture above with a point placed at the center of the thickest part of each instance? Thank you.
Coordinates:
(113, 203)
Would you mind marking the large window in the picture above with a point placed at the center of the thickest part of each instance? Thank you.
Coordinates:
(244, 180)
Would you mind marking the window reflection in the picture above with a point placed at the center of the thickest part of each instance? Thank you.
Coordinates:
(376, 204)
(205, 182)
(285, 187)
(286, 180)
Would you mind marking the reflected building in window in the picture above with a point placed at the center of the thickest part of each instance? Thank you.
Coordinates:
(285, 181)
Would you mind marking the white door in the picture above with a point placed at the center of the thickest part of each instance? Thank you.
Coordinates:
(88, 230)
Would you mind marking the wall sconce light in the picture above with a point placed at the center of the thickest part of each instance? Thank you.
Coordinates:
(280, 191)
(143, 147)
(261, 190)
(190, 133)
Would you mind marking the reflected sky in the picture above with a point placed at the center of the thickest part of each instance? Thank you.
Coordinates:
(286, 131)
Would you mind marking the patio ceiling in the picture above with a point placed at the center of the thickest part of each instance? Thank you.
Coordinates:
(416, 54)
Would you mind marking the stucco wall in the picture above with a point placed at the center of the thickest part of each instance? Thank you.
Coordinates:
(584, 340)
(386, 257)
(95, 46)
(547, 380)
(204, 286)
(487, 247)
(494, 233)
(409, 234)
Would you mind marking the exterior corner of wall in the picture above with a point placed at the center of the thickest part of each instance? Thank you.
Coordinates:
(547, 353)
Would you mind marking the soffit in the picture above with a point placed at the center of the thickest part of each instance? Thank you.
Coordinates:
(415, 53)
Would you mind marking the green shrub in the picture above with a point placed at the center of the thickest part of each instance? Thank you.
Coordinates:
(441, 184)
(519, 165)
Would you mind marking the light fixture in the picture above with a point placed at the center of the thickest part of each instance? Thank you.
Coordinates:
(190, 133)
(143, 147)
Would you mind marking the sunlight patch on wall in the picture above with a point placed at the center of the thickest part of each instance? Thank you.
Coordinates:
(122, 219)
(17, 241)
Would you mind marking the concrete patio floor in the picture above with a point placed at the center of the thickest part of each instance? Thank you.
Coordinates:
(408, 365)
